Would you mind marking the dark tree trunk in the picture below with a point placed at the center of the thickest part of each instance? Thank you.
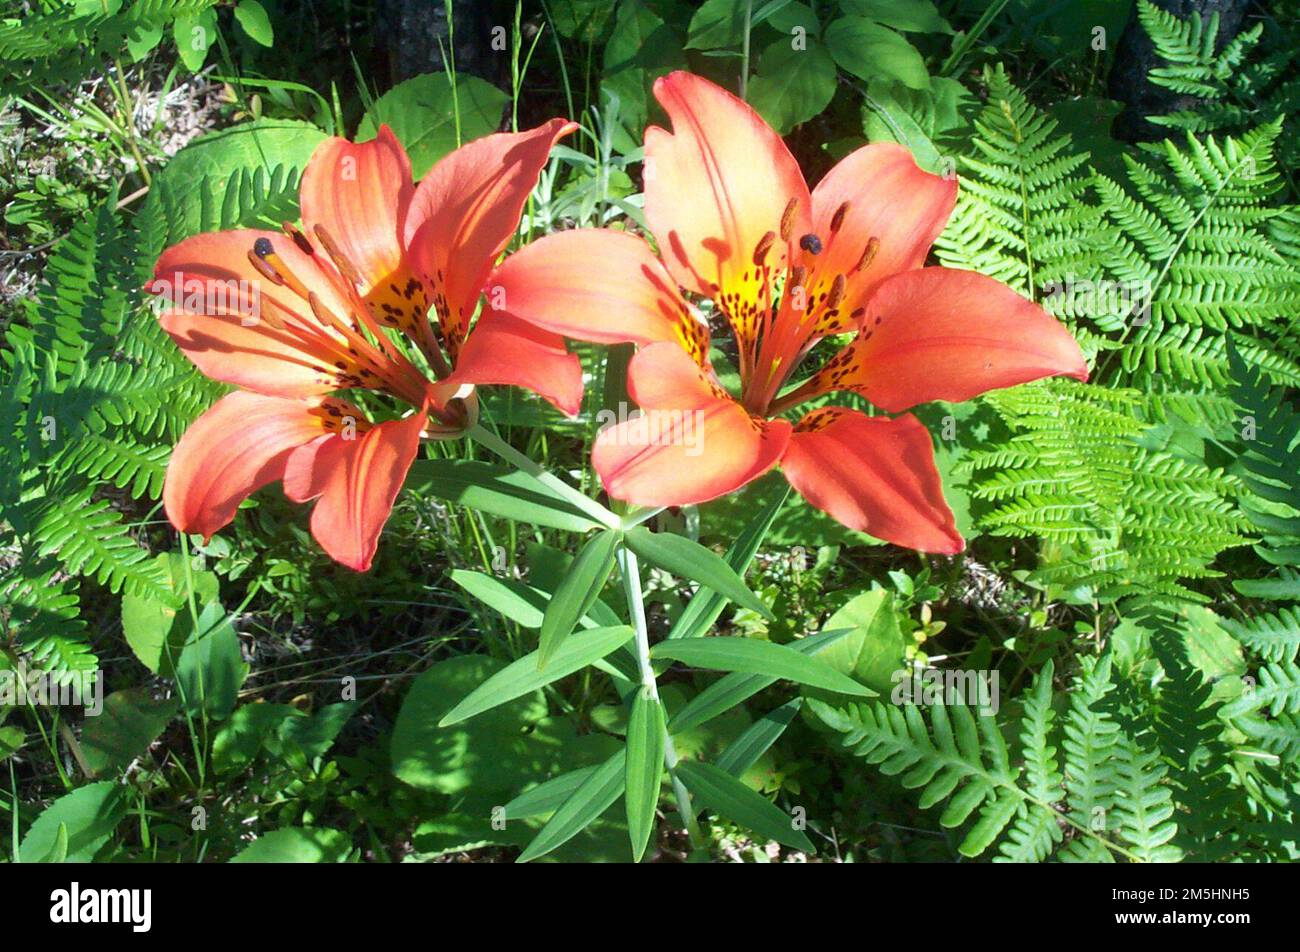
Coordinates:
(1136, 56)
(414, 28)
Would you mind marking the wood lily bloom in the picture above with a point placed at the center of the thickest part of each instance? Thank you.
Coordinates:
(736, 224)
(377, 291)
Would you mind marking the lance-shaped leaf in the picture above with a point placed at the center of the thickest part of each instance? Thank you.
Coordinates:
(759, 657)
(704, 609)
(722, 793)
(644, 768)
(522, 676)
(690, 560)
(576, 593)
(499, 490)
(549, 796)
(596, 794)
(743, 752)
(725, 693)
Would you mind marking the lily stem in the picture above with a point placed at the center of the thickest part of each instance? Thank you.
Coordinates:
(631, 572)
(501, 448)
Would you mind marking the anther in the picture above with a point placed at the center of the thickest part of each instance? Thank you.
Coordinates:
(336, 255)
(797, 276)
(837, 292)
(868, 253)
(811, 244)
(271, 266)
(299, 238)
(763, 246)
(260, 265)
(787, 219)
(263, 247)
(837, 220)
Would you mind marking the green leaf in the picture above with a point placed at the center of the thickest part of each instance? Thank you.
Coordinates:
(252, 19)
(705, 607)
(210, 669)
(692, 561)
(422, 114)
(522, 604)
(644, 768)
(576, 593)
(912, 16)
(297, 844)
(717, 24)
(89, 815)
(11, 741)
(130, 721)
(875, 647)
(522, 676)
(640, 49)
(722, 793)
(597, 793)
(499, 490)
(868, 50)
(194, 37)
(549, 796)
(150, 625)
(791, 85)
(727, 692)
(743, 752)
(758, 657)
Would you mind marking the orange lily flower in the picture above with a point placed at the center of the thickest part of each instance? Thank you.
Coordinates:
(291, 318)
(735, 223)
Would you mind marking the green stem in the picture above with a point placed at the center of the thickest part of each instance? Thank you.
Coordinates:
(631, 572)
(511, 455)
(744, 55)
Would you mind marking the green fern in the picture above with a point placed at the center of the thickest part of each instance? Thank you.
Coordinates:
(1113, 515)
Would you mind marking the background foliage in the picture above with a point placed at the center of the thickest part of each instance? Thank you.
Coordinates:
(1134, 541)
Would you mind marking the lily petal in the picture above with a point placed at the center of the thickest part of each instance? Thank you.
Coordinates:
(944, 334)
(598, 285)
(359, 194)
(239, 445)
(238, 326)
(465, 212)
(873, 474)
(502, 349)
(693, 443)
(724, 198)
(356, 482)
(874, 194)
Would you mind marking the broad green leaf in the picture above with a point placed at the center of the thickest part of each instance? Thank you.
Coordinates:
(791, 85)
(911, 16)
(90, 815)
(210, 669)
(743, 752)
(252, 19)
(499, 490)
(640, 50)
(150, 625)
(597, 793)
(59, 852)
(242, 737)
(130, 721)
(644, 768)
(194, 36)
(728, 691)
(422, 114)
(875, 647)
(692, 561)
(297, 844)
(758, 657)
(868, 50)
(523, 676)
(705, 607)
(576, 593)
(717, 24)
(722, 793)
(549, 796)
